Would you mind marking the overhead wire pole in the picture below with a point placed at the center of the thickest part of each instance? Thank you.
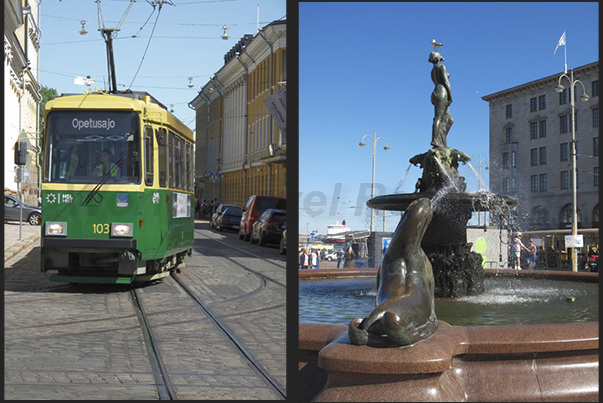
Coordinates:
(108, 34)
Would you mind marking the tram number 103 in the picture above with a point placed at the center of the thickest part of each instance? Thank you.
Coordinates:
(101, 228)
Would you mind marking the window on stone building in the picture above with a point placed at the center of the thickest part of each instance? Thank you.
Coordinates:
(596, 175)
(596, 146)
(513, 159)
(595, 88)
(563, 97)
(509, 135)
(564, 179)
(533, 130)
(534, 183)
(542, 155)
(509, 111)
(534, 156)
(543, 183)
(533, 104)
(505, 160)
(563, 124)
(542, 102)
(564, 152)
(596, 117)
(542, 128)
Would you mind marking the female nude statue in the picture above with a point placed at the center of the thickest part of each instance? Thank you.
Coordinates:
(441, 98)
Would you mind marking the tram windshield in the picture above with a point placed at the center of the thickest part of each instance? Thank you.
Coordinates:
(83, 146)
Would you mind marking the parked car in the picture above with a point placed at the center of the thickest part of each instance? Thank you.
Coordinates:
(229, 219)
(214, 218)
(331, 256)
(282, 247)
(269, 227)
(12, 211)
(255, 206)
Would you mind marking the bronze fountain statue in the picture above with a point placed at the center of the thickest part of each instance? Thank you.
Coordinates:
(428, 256)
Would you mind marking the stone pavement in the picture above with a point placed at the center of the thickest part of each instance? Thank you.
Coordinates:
(30, 236)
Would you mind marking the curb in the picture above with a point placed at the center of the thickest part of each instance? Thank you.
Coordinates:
(14, 249)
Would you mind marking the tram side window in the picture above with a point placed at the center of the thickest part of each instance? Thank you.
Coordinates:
(188, 170)
(148, 156)
(176, 153)
(162, 142)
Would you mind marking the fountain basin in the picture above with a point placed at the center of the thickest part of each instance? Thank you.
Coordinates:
(541, 362)
(476, 201)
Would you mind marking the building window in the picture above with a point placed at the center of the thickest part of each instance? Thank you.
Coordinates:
(542, 128)
(509, 111)
(534, 156)
(509, 135)
(533, 130)
(566, 217)
(596, 146)
(596, 117)
(563, 126)
(564, 152)
(595, 87)
(542, 155)
(542, 102)
(513, 185)
(513, 159)
(505, 160)
(596, 175)
(563, 97)
(564, 179)
(534, 183)
(543, 182)
(506, 185)
(533, 105)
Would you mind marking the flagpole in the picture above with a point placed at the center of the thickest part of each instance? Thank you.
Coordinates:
(565, 52)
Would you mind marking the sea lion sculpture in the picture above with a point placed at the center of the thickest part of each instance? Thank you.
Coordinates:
(405, 312)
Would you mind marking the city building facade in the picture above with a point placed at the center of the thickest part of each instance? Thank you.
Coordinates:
(241, 141)
(21, 94)
(531, 145)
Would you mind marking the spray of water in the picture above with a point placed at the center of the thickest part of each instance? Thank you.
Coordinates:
(403, 177)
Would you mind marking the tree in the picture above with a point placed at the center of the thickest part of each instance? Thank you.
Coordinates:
(47, 95)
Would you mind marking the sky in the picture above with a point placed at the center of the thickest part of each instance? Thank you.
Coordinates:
(364, 70)
(181, 41)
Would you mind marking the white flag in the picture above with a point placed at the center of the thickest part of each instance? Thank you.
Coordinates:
(561, 43)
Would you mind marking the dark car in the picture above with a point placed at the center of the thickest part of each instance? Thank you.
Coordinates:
(214, 218)
(12, 211)
(229, 219)
(282, 247)
(254, 208)
(269, 227)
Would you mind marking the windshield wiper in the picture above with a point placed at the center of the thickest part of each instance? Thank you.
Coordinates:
(94, 192)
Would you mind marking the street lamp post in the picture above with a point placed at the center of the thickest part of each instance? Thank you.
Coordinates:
(584, 97)
(374, 138)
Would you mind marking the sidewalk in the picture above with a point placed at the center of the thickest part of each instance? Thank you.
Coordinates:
(30, 235)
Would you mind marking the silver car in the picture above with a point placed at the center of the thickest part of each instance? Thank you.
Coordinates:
(12, 211)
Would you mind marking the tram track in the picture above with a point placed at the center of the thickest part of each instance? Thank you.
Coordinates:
(165, 388)
(199, 235)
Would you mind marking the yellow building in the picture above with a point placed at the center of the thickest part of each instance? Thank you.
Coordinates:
(21, 94)
(241, 141)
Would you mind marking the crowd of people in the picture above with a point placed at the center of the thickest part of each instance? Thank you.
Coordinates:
(589, 262)
(204, 209)
(311, 258)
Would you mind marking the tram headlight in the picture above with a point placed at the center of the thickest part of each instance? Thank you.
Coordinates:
(56, 229)
(121, 229)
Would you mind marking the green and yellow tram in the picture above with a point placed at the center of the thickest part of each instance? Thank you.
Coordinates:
(117, 189)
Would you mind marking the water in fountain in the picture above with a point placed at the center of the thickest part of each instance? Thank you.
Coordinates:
(402, 180)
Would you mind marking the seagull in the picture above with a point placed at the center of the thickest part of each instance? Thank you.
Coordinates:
(435, 44)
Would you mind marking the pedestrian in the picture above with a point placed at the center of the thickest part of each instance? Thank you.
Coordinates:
(516, 248)
(314, 259)
(323, 255)
(339, 256)
(530, 254)
(197, 210)
(304, 260)
(349, 258)
(593, 260)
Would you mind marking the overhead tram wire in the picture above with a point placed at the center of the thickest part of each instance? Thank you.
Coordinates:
(148, 43)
